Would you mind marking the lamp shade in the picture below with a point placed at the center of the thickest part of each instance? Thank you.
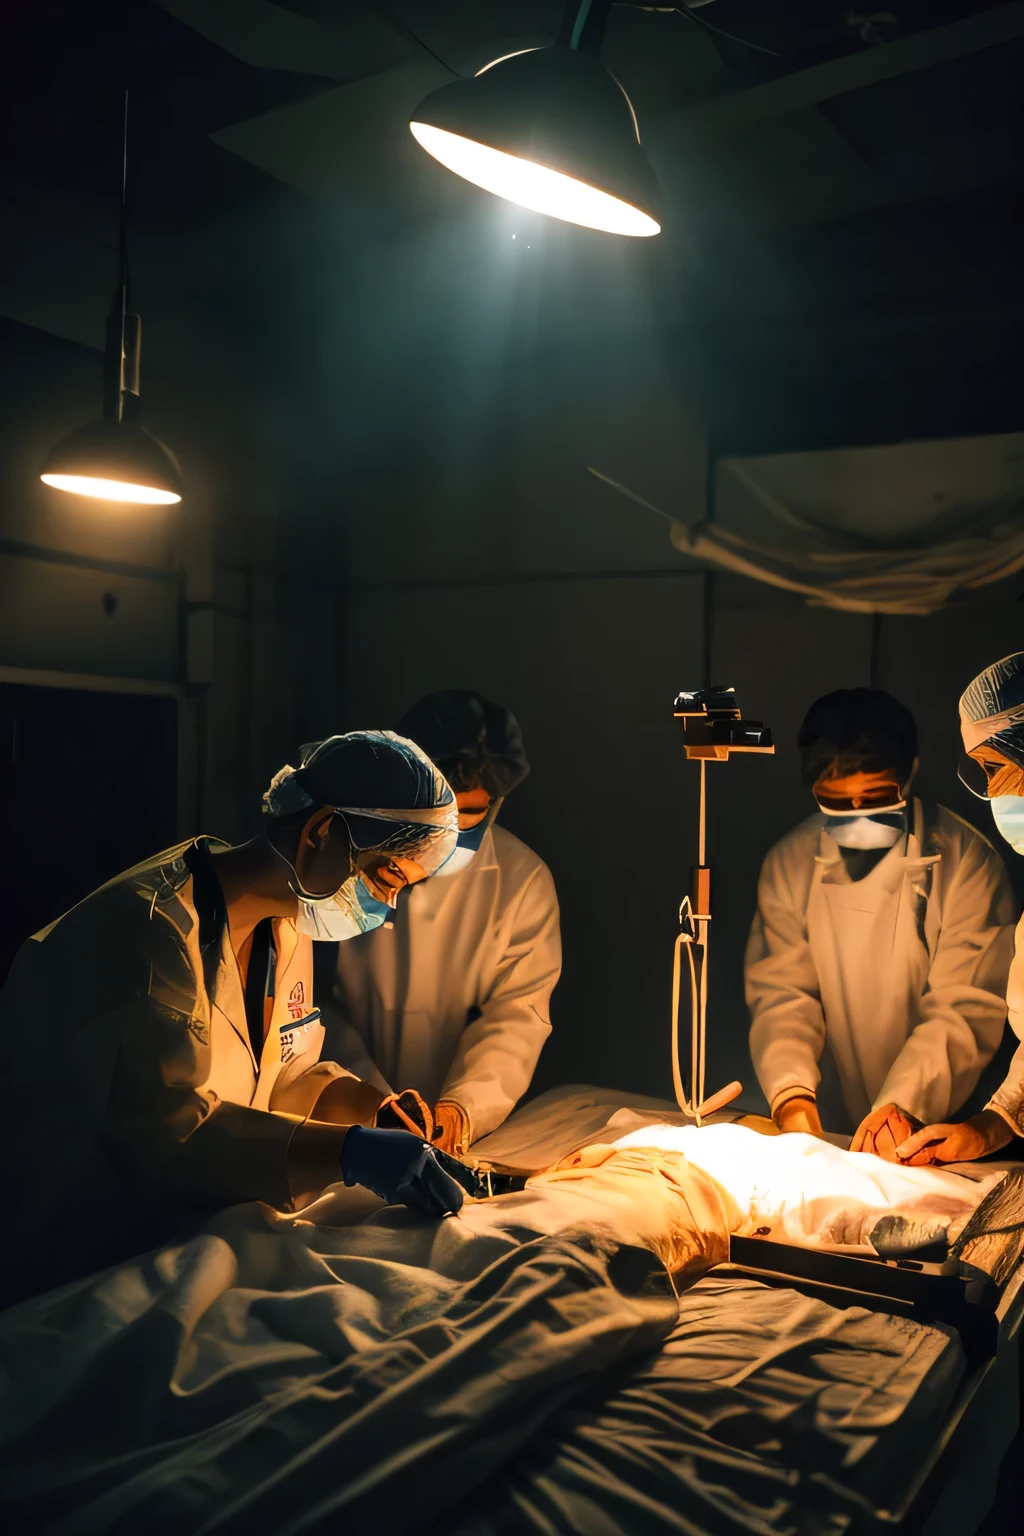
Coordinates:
(549, 129)
(115, 461)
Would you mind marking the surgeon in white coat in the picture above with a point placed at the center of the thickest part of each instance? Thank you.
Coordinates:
(453, 1000)
(162, 1054)
(992, 727)
(877, 961)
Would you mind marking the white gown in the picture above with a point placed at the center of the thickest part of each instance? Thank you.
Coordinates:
(903, 973)
(453, 1000)
(1008, 1099)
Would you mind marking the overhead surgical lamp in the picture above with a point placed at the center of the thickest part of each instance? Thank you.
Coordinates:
(713, 731)
(549, 129)
(115, 458)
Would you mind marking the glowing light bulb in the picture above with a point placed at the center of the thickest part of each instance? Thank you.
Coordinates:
(533, 186)
(111, 490)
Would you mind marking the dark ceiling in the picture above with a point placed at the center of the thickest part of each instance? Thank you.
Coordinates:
(844, 238)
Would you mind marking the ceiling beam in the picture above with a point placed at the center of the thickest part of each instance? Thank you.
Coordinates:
(268, 36)
(808, 87)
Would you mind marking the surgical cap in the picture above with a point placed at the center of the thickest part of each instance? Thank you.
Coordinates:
(992, 708)
(470, 738)
(390, 794)
(861, 728)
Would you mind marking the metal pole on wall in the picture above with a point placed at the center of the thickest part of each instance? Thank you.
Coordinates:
(709, 576)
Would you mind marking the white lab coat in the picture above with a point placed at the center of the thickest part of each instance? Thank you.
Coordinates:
(903, 973)
(130, 1089)
(1008, 1099)
(453, 999)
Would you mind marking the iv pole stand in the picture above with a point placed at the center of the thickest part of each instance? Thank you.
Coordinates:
(694, 917)
(695, 908)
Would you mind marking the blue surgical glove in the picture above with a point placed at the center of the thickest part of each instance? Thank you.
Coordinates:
(400, 1168)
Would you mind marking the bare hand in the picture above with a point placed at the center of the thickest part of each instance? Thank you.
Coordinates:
(799, 1115)
(882, 1131)
(963, 1143)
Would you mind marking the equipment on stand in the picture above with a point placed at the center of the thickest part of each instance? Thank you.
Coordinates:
(712, 731)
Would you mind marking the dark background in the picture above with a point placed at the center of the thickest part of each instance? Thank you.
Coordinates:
(385, 407)
(89, 785)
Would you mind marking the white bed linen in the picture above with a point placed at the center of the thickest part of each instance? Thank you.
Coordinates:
(765, 1413)
(276, 1375)
(799, 1189)
(804, 1190)
(280, 1373)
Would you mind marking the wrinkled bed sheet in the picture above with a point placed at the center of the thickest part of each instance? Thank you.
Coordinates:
(797, 1188)
(802, 1190)
(564, 1119)
(765, 1413)
(282, 1374)
(290, 1373)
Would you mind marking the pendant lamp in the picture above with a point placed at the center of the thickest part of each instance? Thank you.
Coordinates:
(115, 458)
(549, 129)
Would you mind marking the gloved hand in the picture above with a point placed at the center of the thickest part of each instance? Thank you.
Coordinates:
(473, 1183)
(798, 1115)
(883, 1130)
(406, 1111)
(402, 1170)
(451, 1127)
(964, 1143)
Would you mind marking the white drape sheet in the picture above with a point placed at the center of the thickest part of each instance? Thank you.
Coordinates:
(275, 1375)
(765, 1413)
(286, 1374)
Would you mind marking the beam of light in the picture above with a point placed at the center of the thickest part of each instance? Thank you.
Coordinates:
(533, 186)
(110, 490)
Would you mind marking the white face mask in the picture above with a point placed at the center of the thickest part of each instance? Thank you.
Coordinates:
(352, 910)
(1008, 815)
(864, 832)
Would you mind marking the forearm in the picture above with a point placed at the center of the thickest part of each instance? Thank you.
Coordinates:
(943, 1056)
(787, 1028)
(344, 1100)
(798, 1114)
(785, 1047)
(314, 1159)
(306, 1094)
(494, 1063)
(1008, 1099)
(233, 1154)
(962, 1008)
(997, 1127)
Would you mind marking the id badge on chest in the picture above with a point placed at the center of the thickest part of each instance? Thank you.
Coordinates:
(300, 1037)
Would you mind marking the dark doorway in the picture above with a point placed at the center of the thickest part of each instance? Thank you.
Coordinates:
(88, 787)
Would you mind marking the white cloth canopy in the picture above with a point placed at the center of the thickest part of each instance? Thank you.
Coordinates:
(832, 572)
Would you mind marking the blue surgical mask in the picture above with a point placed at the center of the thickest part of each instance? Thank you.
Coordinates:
(1008, 815)
(352, 910)
(465, 849)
